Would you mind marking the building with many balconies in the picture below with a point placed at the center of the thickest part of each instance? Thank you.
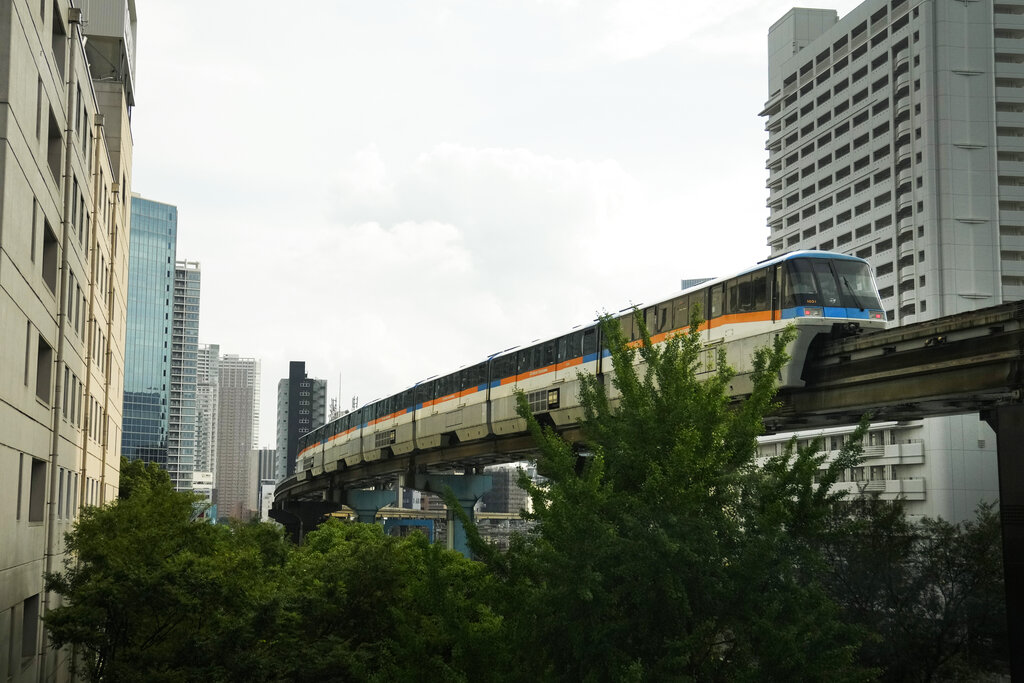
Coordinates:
(896, 133)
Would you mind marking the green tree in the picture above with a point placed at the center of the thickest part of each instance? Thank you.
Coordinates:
(151, 593)
(363, 606)
(665, 550)
(931, 592)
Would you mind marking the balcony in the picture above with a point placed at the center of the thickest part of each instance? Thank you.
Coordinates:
(1011, 217)
(1012, 21)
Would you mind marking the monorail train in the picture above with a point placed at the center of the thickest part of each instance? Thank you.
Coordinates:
(818, 292)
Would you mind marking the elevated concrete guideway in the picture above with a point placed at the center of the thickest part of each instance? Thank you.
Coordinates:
(964, 363)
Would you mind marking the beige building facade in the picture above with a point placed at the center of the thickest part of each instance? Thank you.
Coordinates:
(65, 167)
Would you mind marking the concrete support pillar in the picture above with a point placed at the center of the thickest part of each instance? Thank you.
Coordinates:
(468, 488)
(366, 503)
(299, 517)
(1008, 423)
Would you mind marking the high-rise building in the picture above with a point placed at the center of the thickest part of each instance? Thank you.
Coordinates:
(65, 174)
(301, 407)
(266, 459)
(161, 345)
(181, 443)
(148, 343)
(207, 397)
(505, 494)
(894, 134)
(238, 418)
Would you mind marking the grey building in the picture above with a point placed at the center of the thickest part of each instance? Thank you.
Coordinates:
(896, 134)
(301, 407)
(238, 419)
(65, 176)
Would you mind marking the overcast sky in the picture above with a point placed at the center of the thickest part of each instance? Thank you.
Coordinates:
(391, 190)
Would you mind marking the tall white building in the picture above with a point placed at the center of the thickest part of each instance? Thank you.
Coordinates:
(897, 134)
(181, 435)
(65, 171)
(207, 397)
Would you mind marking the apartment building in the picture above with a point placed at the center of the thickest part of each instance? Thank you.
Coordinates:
(896, 133)
(65, 170)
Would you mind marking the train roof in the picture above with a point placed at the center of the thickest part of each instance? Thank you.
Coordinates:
(788, 256)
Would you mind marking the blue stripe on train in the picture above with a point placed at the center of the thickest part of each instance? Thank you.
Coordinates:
(829, 311)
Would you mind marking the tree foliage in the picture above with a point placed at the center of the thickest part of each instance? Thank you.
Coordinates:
(151, 593)
(363, 606)
(667, 550)
(931, 591)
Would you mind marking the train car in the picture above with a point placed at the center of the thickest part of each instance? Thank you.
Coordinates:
(454, 408)
(820, 293)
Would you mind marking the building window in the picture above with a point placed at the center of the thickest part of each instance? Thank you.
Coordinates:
(29, 626)
(44, 370)
(54, 148)
(50, 253)
(37, 491)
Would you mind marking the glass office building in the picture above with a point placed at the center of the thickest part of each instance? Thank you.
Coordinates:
(151, 264)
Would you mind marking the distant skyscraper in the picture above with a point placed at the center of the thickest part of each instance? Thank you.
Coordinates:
(151, 259)
(238, 417)
(181, 446)
(301, 407)
(207, 397)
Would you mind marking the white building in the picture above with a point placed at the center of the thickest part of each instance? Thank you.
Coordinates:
(897, 134)
(65, 171)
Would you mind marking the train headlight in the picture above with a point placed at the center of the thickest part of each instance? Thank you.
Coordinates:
(876, 315)
(812, 312)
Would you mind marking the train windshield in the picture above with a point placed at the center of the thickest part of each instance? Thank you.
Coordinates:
(842, 283)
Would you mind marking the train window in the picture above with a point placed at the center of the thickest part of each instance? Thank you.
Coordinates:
(826, 282)
(855, 279)
(650, 320)
(424, 392)
(476, 375)
(525, 358)
(590, 341)
(739, 300)
(663, 318)
(548, 354)
(443, 385)
(681, 306)
(800, 288)
(627, 326)
(569, 346)
(717, 295)
(759, 290)
(503, 366)
(405, 400)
